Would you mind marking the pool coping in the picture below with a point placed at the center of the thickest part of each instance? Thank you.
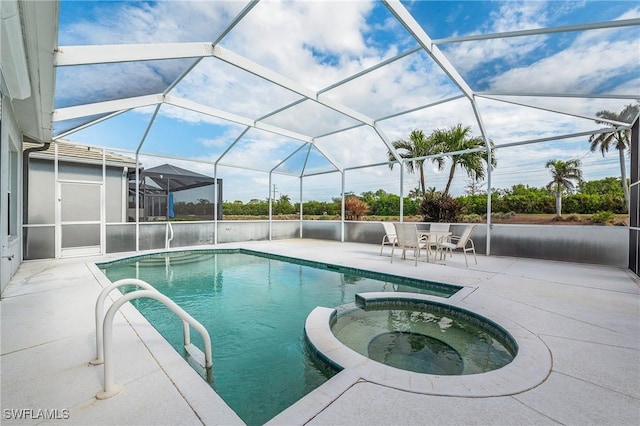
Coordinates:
(530, 367)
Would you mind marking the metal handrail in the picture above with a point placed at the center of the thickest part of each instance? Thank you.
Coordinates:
(110, 388)
(100, 311)
(168, 238)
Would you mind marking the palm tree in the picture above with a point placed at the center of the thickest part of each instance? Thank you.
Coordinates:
(458, 138)
(620, 139)
(418, 145)
(563, 174)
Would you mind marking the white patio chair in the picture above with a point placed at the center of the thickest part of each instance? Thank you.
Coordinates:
(462, 242)
(389, 238)
(438, 232)
(408, 239)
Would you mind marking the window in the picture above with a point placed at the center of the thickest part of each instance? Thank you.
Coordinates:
(12, 204)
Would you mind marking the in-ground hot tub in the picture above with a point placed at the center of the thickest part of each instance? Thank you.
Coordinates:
(428, 345)
(424, 337)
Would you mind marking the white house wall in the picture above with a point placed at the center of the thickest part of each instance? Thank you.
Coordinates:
(10, 195)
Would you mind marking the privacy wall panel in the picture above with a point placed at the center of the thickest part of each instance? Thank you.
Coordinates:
(634, 210)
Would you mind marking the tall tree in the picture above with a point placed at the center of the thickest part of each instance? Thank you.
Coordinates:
(459, 138)
(563, 174)
(619, 139)
(418, 145)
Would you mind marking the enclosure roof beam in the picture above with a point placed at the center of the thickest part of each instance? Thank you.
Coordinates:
(559, 95)
(142, 141)
(287, 158)
(306, 160)
(283, 132)
(388, 144)
(239, 17)
(366, 166)
(202, 109)
(286, 83)
(105, 107)
(283, 108)
(555, 138)
(253, 169)
(409, 111)
(89, 124)
(541, 31)
(236, 140)
(408, 21)
(329, 158)
(372, 68)
(112, 53)
(397, 114)
(557, 111)
(321, 173)
(245, 64)
(214, 112)
(341, 130)
(346, 80)
(224, 32)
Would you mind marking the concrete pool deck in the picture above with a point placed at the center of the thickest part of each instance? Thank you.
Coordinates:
(588, 317)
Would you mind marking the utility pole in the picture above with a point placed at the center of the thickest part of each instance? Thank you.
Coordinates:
(274, 192)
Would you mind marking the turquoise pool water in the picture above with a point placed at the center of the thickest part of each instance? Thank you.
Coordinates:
(254, 307)
(425, 338)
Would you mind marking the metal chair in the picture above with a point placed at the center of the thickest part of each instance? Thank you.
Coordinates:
(438, 231)
(389, 236)
(459, 242)
(408, 239)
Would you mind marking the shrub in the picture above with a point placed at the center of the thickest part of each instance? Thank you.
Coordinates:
(573, 218)
(602, 217)
(355, 207)
(440, 207)
(500, 215)
(471, 218)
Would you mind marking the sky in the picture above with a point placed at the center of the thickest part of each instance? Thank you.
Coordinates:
(316, 44)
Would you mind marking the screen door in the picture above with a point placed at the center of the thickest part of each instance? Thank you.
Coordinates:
(80, 219)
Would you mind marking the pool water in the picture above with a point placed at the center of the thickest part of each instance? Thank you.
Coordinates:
(254, 307)
(424, 339)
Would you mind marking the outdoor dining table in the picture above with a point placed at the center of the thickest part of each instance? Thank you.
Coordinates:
(433, 238)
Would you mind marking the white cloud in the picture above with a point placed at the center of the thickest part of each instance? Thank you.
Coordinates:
(285, 35)
(580, 69)
(511, 16)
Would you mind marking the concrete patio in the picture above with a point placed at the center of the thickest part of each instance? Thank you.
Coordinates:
(587, 316)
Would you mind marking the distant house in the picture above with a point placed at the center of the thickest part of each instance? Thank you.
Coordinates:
(68, 202)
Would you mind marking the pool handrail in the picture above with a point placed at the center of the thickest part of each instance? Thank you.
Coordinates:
(99, 311)
(110, 388)
(168, 238)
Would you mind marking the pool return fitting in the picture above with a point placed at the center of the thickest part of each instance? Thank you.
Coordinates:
(104, 331)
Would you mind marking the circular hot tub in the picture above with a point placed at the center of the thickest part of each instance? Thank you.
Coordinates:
(426, 344)
(429, 338)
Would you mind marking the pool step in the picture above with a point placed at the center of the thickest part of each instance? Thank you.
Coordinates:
(196, 354)
(174, 259)
(195, 358)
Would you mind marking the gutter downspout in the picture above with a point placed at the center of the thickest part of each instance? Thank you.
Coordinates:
(25, 177)
(25, 186)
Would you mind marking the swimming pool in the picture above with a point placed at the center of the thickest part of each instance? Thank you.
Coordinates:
(254, 306)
